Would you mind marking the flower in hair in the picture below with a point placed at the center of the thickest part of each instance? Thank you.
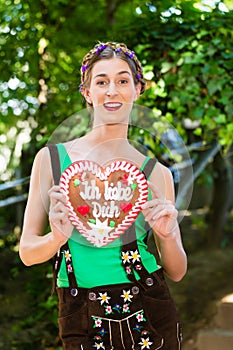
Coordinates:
(100, 47)
(130, 54)
(138, 76)
(118, 49)
(84, 68)
(80, 88)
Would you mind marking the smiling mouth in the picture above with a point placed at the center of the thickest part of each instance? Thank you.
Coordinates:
(112, 106)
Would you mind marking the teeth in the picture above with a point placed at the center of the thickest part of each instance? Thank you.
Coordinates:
(113, 105)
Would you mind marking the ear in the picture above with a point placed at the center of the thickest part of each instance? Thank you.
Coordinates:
(138, 91)
(86, 95)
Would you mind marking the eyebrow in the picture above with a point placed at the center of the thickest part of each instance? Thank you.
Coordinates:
(104, 74)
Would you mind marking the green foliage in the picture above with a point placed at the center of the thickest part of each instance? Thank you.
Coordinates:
(192, 56)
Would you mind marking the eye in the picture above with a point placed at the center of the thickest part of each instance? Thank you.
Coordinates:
(123, 81)
(101, 82)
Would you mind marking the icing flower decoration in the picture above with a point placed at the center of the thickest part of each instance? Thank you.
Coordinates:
(99, 230)
(145, 343)
(103, 297)
(127, 296)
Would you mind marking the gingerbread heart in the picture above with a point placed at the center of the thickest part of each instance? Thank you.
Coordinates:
(103, 202)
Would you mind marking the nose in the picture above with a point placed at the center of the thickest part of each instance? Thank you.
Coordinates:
(112, 89)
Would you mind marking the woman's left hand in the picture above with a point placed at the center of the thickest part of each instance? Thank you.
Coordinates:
(160, 213)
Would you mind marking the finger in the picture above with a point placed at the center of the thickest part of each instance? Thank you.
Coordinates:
(54, 188)
(55, 195)
(60, 207)
(168, 212)
(155, 202)
(156, 211)
(57, 217)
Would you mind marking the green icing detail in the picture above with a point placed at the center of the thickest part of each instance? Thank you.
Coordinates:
(112, 223)
(77, 182)
(93, 221)
(134, 186)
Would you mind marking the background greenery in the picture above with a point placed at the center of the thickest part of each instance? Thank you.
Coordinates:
(186, 48)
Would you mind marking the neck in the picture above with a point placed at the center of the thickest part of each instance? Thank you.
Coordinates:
(109, 132)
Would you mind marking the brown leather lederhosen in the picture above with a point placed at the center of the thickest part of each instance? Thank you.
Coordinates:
(130, 316)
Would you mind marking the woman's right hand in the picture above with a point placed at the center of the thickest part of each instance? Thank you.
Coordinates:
(60, 224)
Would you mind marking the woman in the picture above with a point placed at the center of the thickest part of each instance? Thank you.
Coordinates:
(111, 297)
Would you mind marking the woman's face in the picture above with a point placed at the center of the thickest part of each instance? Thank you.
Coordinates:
(112, 91)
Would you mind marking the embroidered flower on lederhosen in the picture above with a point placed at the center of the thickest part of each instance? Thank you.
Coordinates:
(135, 256)
(127, 296)
(128, 270)
(125, 308)
(108, 309)
(99, 345)
(98, 322)
(69, 268)
(103, 297)
(117, 307)
(145, 343)
(67, 255)
(126, 257)
(131, 257)
(140, 316)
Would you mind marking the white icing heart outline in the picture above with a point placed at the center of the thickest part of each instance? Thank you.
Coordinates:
(103, 173)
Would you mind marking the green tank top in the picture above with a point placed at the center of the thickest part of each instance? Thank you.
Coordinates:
(96, 266)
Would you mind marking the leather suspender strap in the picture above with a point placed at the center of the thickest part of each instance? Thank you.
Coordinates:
(55, 162)
(147, 172)
(131, 259)
(149, 167)
(56, 169)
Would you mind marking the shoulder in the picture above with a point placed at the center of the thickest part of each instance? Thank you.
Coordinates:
(42, 157)
(162, 177)
(42, 168)
(163, 170)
